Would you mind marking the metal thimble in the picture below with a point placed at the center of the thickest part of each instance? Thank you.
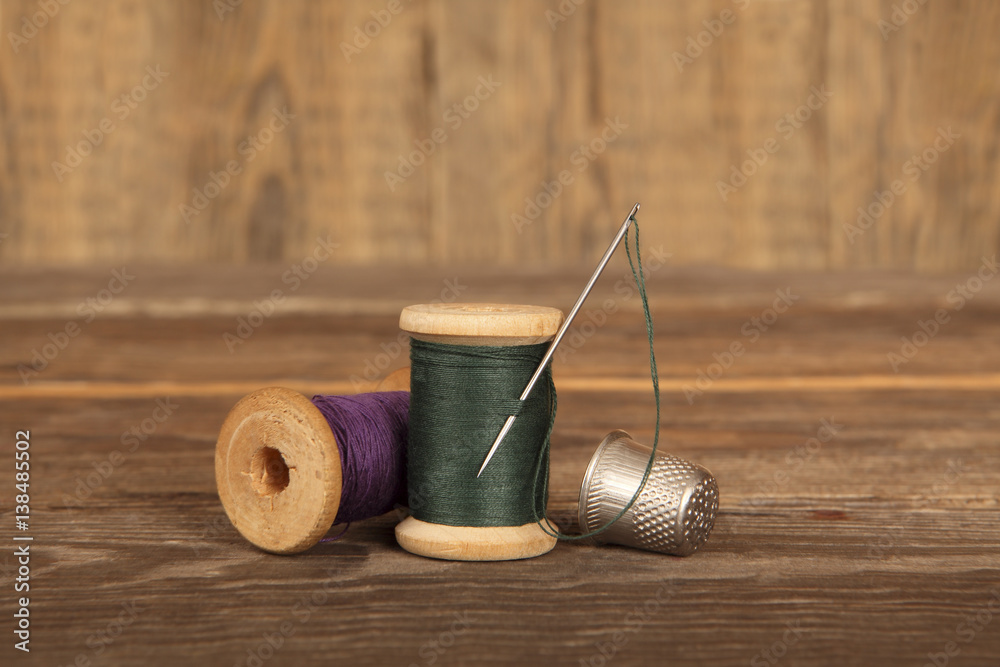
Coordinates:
(673, 514)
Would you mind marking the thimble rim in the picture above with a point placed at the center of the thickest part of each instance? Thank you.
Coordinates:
(588, 477)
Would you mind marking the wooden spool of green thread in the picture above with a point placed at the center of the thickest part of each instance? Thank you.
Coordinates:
(488, 325)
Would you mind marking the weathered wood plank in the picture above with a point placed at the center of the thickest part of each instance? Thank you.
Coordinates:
(834, 548)
(343, 323)
(360, 103)
(876, 543)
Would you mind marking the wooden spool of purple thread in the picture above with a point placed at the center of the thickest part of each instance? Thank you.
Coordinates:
(278, 468)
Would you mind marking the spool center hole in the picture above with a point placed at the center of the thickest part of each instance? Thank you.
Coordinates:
(268, 472)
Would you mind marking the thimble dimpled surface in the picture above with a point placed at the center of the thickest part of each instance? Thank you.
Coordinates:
(657, 524)
(675, 510)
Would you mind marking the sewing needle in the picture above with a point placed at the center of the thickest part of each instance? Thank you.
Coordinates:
(562, 332)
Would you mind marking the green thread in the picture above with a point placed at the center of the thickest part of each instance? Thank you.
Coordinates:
(640, 283)
(460, 396)
(456, 411)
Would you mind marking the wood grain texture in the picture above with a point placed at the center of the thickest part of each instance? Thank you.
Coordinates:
(556, 83)
(877, 544)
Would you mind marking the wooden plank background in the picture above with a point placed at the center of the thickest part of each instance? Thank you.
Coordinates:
(324, 175)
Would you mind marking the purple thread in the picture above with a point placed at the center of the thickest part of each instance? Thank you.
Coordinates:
(371, 432)
(338, 535)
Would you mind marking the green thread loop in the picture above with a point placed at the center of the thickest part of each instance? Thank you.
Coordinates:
(640, 283)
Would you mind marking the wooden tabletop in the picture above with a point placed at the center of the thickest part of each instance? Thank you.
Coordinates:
(859, 519)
